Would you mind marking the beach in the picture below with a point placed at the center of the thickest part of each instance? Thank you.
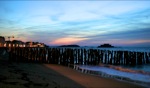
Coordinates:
(31, 75)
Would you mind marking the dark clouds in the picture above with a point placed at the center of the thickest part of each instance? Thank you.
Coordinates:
(139, 37)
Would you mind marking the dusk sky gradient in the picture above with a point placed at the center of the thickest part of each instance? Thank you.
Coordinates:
(86, 23)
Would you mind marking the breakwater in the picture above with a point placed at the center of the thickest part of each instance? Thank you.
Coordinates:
(79, 56)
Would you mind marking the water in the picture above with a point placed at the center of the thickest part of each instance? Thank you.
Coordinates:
(137, 49)
(135, 75)
(145, 68)
(138, 73)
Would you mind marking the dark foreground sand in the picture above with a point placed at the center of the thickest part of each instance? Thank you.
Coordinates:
(31, 75)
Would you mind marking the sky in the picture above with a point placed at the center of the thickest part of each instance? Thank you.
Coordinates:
(85, 23)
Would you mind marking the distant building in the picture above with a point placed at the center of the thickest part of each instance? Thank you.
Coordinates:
(7, 44)
(2, 41)
(34, 44)
(18, 43)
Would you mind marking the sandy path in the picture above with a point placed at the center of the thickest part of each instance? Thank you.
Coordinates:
(31, 75)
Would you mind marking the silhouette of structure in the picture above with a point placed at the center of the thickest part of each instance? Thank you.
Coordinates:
(2, 41)
(9, 37)
(105, 46)
(69, 46)
(78, 56)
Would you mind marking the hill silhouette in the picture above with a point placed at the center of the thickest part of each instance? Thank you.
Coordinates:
(105, 46)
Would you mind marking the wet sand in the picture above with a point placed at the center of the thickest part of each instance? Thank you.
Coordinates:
(91, 81)
(32, 75)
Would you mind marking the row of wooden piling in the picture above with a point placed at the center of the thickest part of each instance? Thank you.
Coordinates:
(82, 56)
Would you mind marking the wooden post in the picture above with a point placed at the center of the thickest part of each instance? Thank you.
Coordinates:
(110, 57)
(139, 58)
(142, 57)
(85, 57)
(49, 55)
(68, 56)
(81, 56)
(75, 55)
(115, 57)
(133, 58)
(64, 56)
(105, 55)
(96, 57)
(10, 54)
(71, 56)
(101, 55)
(126, 57)
(88, 59)
(147, 58)
(92, 56)
(58, 55)
(36, 54)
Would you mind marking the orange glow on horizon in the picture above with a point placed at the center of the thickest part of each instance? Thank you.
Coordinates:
(67, 41)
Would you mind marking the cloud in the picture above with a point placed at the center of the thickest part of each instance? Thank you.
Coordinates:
(82, 22)
(67, 40)
(139, 37)
(107, 29)
(38, 20)
(6, 22)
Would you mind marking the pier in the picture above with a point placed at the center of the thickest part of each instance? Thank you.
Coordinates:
(76, 56)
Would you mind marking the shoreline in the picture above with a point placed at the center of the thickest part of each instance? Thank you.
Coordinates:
(24, 75)
(91, 81)
(107, 75)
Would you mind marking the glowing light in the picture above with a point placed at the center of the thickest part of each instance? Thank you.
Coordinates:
(67, 40)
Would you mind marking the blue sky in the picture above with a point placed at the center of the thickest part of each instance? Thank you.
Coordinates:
(86, 23)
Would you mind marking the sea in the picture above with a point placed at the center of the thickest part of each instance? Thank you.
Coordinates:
(139, 74)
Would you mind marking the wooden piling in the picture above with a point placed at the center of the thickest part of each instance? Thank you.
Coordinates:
(67, 56)
(85, 57)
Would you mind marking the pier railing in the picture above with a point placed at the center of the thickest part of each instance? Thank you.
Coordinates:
(81, 56)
